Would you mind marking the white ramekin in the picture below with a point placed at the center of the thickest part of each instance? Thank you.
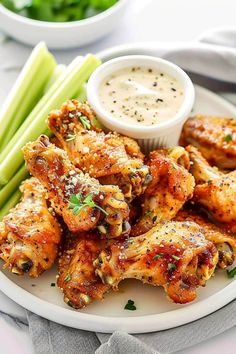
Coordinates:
(148, 137)
(59, 35)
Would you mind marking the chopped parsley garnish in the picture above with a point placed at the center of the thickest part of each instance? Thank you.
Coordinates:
(77, 204)
(130, 240)
(228, 137)
(148, 213)
(70, 137)
(130, 305)
(67, 277)
(53, 284)
(176, 257)
(231, 273)
(157, 256)
(173, 166)
(171, 266)
(85, 122)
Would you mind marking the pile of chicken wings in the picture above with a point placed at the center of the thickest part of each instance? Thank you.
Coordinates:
(104, 212)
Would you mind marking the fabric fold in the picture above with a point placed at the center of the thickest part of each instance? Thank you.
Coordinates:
(51, 338)
(175, 339)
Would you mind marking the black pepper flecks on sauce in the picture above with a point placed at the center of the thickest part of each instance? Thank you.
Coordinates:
(141, 95)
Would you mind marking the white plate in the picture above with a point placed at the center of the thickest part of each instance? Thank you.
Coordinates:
(154, 312)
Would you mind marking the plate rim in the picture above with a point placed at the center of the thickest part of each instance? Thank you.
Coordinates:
(136, 324)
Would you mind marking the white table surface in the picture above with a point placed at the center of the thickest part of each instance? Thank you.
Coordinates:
(145, 20)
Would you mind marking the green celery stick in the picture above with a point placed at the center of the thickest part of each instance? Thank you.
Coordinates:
(22, 173)
(16, 181)
(58, 71)
(26, 92)
(64, 88)
(37, 109)
(11, 186)
(12, 201)
(81, 95)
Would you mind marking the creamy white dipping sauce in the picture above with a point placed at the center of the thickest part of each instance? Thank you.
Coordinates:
(141, 95)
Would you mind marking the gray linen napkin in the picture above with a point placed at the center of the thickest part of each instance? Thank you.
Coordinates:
(171, 340)
(51, 338)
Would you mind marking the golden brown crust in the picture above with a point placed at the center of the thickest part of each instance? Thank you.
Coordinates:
(62, 180)
(214, 190)
(174, 255)
(111, 158)
(77, 277)
(224, 241)
(30, 233)
(215, 137)
(171, 186)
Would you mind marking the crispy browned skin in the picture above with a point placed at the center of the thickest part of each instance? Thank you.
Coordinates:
(53, 168)
(111, 158)
(174, 255)
(215, 138)
(171, 186)
(77, 277)
(224, 242)
(30, 233)
(214, 190)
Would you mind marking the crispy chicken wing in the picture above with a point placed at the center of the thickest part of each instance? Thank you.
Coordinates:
(171, 186)
(111, 158)
(77, 277)
(30, 233)
(174, 255)
(215, 191)
(215, 137)
(224, 242)
(82, 202)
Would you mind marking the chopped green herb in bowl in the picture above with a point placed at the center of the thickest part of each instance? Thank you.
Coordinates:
(58, 10)
(60, 23)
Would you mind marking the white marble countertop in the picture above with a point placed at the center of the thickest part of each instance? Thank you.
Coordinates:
(145, 20)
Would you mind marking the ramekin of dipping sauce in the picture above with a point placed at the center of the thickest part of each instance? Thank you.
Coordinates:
(144, 97)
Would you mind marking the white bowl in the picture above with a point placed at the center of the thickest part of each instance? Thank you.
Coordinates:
(58, 35)
(161, 134)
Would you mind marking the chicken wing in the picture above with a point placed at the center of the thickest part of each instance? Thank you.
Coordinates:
(214, 137)
(111, 158)
(224, 242)
(215, 191)
(174, 255)
(77, 277)
(30, 233)
(82, 202)
(171, 186)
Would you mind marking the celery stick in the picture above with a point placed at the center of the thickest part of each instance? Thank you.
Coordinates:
(26, 92)
(37, 109)
(14, 183)
(48, 133)
(22, 173)
(81, 95)
(58, 71)
(12, 201)
(64, 88)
